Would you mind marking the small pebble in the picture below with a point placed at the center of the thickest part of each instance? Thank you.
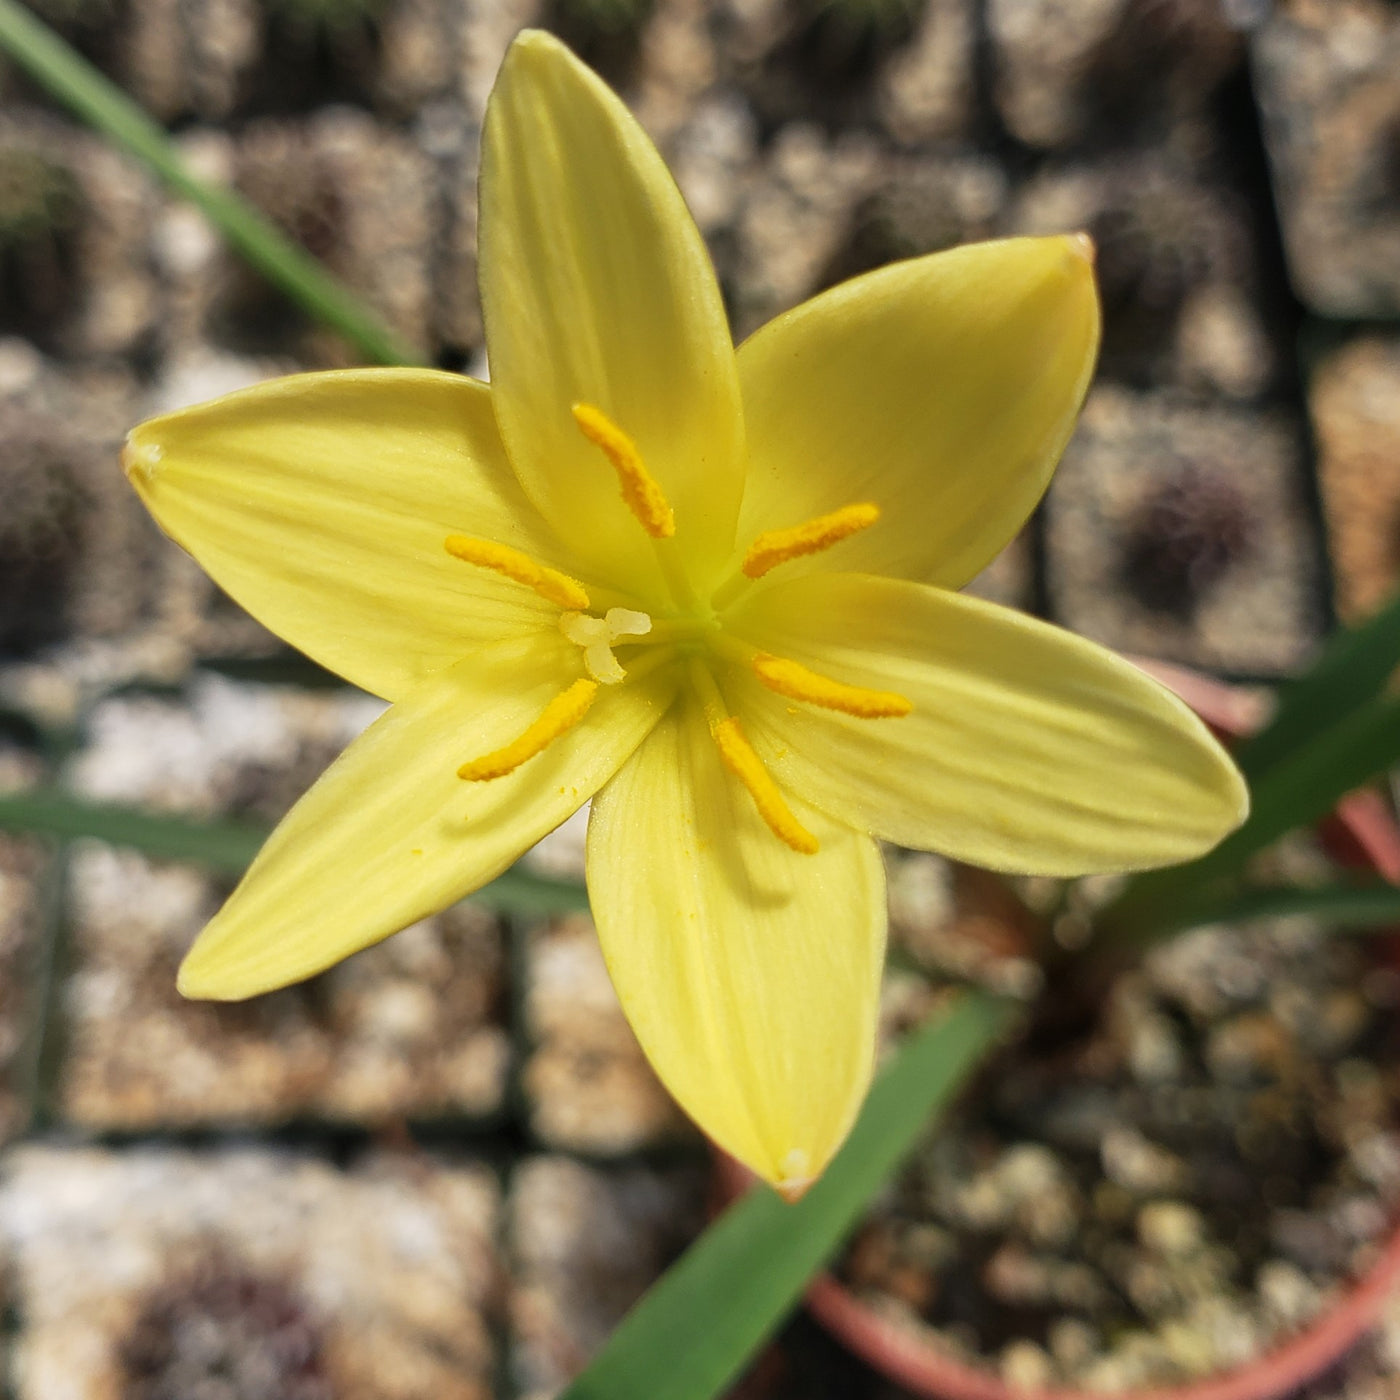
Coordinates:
(1191, 1352)
(1358, 1219)
(1073, 1343)
(1233, 1333)
(1025, 1366)
(1343, 1018)
(1154, 1051)
(1376, 1159)
(1170, 1228)
(1310, 1241)
(1015, 1276)
(1288, 1295)
(1133, 1361)
(1137, 1164)
(1249, 1048)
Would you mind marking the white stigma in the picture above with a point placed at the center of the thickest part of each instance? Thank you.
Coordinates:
(596, 636)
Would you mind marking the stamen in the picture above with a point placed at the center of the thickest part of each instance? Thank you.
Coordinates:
(558, 717)
(640, 490)
(798, 683)
(550, 584)
(774, 547)
(745, 764)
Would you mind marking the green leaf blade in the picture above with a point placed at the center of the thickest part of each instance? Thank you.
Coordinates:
(1353, 669)
(73, 80)
(1295, 791)
(697, 1327)
(1308, 783)
(1361, 906)
(225, 846)
(228, 847)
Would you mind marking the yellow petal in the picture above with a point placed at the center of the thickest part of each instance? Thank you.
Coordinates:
(942, 389)
(321, 502)
(391, 834)
(597, 289)
(1028, 749)
(750, 973)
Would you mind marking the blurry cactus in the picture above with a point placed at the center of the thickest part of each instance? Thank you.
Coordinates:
(222, 1330)
(75, 15)
(861, 17)
(329, 17)
(843, 37)
(1186, 535)
(41, 207)
(38, 196)
(604, 17)
(39, 532)
(1159, 239)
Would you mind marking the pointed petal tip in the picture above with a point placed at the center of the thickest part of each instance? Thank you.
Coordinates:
(792, 1189)
(199, 978)
(140, 460)
(1240, 799)
(1082, 245)
(539, 43)
(795, 1176)
(191, 985)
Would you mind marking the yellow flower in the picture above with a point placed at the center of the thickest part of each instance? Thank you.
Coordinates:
(710, 589)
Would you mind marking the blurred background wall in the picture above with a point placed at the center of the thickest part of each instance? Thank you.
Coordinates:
(443, 1169)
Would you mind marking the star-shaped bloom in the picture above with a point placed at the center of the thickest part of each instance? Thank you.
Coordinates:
(712, 590)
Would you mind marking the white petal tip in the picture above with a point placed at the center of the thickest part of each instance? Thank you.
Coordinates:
(1083, 246)
(539, 41)
(195, 984)
(793, 1188)
(140, 460)
(190, 985)
(797, 1176)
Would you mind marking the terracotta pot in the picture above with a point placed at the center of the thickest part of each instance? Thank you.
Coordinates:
(1361, 832)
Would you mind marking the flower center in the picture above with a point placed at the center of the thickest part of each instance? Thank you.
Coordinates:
(696, 636)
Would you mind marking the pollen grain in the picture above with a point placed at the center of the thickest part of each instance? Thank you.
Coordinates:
(796, 682)
(774, 547)
(741, 760)
(558, 717)
(550, 584)
(641, 491)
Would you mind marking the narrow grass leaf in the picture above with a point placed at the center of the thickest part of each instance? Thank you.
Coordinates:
(698, 1326)
(1306, 785)
(1362, 906)
(56, 66)
(229, 846)
(224, 846)
(1352, 669)
(1295, 791)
